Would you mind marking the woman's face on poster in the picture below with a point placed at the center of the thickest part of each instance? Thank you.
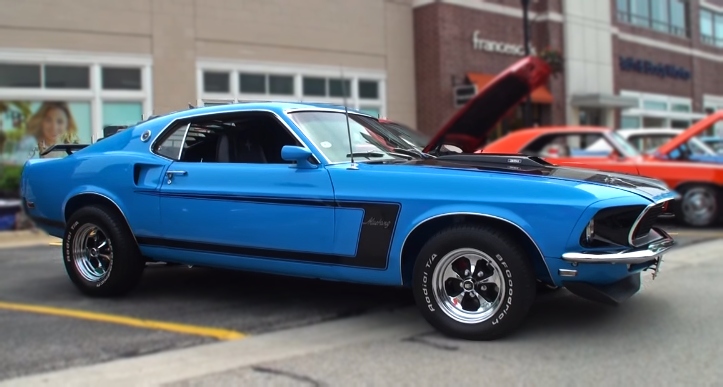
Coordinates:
(55, 124)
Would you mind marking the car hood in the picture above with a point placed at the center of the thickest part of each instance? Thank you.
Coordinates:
(649, 188)
(468, 128)
(689, 133)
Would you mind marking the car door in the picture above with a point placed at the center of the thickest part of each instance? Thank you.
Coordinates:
(583, 149)
(239, 203)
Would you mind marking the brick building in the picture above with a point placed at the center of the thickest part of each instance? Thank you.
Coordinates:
(627, 63)
(114, 62)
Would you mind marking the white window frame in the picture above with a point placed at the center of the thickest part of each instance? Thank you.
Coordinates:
(298, 71)
(94, 95)
(668, 115)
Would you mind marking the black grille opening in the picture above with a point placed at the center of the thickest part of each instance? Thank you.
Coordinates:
(612, 226)
(647, 221)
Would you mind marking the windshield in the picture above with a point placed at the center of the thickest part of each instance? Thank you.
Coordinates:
(328, 132)
(701, 148)
(626, 147)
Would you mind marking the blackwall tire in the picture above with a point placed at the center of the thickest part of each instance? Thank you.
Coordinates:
(499, 282)
(698, 206)
(100, 254)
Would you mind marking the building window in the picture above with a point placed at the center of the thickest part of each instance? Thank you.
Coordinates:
(19, 75)
(658, 111)
(711, 28)
(667, 16)
(78, 94)
(216, 82)
(116, 78)
(361, 90)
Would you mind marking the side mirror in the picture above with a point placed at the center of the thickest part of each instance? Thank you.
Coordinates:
(299, 154)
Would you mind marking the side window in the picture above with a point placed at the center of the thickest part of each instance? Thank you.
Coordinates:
(171, 146)
(570, 145)
(245, 137)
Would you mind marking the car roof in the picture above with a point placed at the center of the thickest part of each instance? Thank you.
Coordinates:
(275, 106)
(629, 131)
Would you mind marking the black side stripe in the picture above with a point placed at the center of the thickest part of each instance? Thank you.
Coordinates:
(373, 248)
(248, 199)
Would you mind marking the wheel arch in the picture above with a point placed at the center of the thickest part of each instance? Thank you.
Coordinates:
(86, 199)
(414, 241)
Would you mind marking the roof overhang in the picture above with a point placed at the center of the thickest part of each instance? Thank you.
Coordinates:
(597, 100)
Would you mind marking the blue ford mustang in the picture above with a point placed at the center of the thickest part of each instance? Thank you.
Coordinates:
(280, 188)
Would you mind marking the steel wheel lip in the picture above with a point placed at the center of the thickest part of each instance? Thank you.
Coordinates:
(92, 253)
(445, 302)
(699, 206)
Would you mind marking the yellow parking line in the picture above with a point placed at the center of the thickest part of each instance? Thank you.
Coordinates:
(216, 333)
(55, 243)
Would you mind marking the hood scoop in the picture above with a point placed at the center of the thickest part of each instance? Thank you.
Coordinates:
(497, 158)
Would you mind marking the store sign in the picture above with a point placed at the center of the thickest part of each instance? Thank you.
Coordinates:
(657, 69)
(499, 47)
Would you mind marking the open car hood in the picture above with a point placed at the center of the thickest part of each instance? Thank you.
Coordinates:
(689, 133)
(469, 127)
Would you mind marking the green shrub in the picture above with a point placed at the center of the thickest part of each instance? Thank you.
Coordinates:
(10, 178)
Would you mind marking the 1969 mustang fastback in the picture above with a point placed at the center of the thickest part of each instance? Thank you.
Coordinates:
(290, 189)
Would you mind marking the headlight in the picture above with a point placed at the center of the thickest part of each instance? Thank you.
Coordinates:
(590, 231)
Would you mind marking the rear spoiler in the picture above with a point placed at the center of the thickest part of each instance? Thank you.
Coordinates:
(68, 148)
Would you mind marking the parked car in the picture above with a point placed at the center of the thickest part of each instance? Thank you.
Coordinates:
(698, 183)
(278, 188)
(715, 142)
(649, 140)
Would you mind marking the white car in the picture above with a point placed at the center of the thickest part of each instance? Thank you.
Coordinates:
(649, 139)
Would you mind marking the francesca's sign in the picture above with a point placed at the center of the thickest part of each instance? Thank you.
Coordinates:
(499, 47)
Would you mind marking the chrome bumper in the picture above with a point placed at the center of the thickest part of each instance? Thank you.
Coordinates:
(647, 253)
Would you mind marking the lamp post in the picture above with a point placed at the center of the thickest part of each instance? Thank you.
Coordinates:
(527, 116)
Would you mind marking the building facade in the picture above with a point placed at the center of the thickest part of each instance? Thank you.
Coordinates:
(88, 64)
(627, 63)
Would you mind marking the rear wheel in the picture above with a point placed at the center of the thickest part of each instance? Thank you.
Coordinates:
(100, 254)
(699, 206)
(474, 283)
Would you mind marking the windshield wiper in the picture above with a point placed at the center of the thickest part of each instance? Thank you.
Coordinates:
(366, 154)
(412, 151)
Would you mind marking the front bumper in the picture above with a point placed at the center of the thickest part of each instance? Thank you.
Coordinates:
(650, 252)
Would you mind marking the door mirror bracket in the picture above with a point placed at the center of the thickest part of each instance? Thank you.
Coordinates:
(299, 154)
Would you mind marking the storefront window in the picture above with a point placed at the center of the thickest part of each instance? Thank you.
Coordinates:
(361, 90)
(66, 103)
(32, 126)
(122, 113)
(658, 111)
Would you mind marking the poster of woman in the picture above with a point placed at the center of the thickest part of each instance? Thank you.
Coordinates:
(30, 127)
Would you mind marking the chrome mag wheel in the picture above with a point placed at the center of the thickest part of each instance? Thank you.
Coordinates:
(92, 253)
(699, 205)
(468, 285)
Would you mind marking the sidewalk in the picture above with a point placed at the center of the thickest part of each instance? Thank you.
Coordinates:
(25, 238)
(377, 348)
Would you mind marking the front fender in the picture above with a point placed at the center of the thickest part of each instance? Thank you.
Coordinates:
(550, 234)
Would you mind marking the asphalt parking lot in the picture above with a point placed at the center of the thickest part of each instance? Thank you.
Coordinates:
(48, 325)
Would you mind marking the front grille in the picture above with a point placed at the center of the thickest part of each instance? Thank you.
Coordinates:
(647, 221)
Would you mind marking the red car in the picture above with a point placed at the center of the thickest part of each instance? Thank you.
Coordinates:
(700, 184)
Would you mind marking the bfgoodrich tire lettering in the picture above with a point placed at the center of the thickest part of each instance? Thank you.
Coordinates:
(493, 276)
(100, 253)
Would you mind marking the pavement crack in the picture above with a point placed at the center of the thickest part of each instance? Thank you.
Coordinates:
(290, 375)
(422, 338)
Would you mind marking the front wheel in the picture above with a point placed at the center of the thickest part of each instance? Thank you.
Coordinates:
(698, 206)
(473, 283)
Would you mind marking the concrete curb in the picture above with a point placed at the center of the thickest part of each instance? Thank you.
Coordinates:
(184, 364)
(25, 238)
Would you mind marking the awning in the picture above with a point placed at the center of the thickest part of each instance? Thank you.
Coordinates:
(540, 95)
(597, 100)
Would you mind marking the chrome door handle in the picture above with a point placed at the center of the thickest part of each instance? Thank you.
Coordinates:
(170, 175)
